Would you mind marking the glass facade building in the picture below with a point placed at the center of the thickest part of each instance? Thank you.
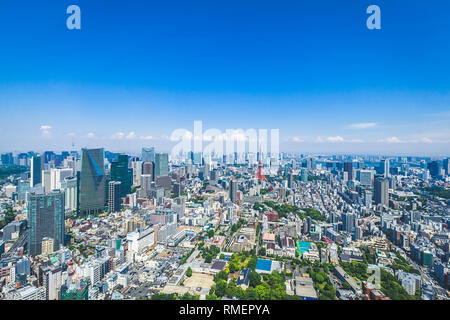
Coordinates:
(148, 154)
(120, 172)
(45, 219)
(161, 164)
(92, 182)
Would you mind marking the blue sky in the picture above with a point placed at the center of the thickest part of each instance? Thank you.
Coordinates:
(140, 69)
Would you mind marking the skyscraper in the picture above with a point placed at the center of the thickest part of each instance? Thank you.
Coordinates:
(45, 219)
(384, 167)
(304, 175)
(365, 177)
(71, 186)
(233, 190)
(148, 168)
(348, 221)
(92, 182)
(114, 198)
(348, 167)
(36, 170)
(381, 190)
(446, 163)
(434, 168)
(161, 165)
(121, 172)
(148, 154)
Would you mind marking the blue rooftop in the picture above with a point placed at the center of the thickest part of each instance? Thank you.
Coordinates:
(265, 265)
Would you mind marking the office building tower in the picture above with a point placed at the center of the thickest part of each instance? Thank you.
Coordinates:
(161, 165)
(114, 198)
(71, 186)
(121, 172)
(148, 168)
(348, 167)
(92, 182)
(366, 177)
(146, 184)
(368, 197)
(45, 219)
(137, 171)
(23, 187)
(148, 154)
(381, 190)
(48, 156)
(304, 175)
(291, 180)
(7, 159)
(47, 180)
(233, 190)
(36, 170)
(434, 168)
(348, 221)
(384, 167)
(446, 164)
(52, 178)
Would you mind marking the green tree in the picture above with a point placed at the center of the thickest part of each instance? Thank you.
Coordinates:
(221, 287)
(189, 272)
(221, 275)
(255, 279)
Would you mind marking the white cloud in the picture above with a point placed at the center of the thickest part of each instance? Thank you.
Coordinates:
(297, 139)
(335, 139)
(90, 135)
(363, 125)
(357, 140)
(393, 140)
(146, 137)
(422, 140)
(118, 136)
(45, 130)
(319, 140)
(131, 135)
(71, 134)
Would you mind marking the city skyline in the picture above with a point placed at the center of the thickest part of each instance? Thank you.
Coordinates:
(122, 85)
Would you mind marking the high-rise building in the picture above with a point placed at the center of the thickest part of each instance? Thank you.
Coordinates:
(366, 177)
(146, 184)
(434, 168)
(148, 154)
(348, 167)
(114, 198)
(446, 163)
(348, 221)
(381, 190)
(304, 175)
(71, 186)
(384, 167)
(36, 170)
(148, 168)
(92, 182)
(161, 165)
(233, 190)
(121, 172)
(23, 187)
(291, 180)
(45, 219)
(7, 159)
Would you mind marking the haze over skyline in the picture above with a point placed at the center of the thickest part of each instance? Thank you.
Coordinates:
(135, 73)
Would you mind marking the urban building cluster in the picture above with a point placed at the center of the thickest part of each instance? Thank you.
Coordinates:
(97, 225)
